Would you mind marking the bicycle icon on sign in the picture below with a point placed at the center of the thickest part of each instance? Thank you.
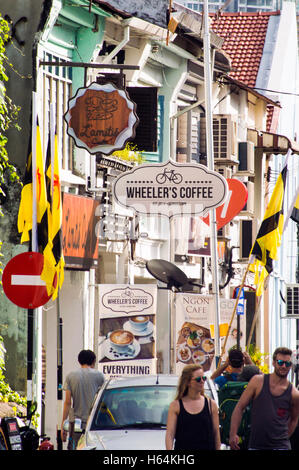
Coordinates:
(169, 175)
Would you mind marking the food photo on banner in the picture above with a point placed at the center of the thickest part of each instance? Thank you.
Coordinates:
(127, 330)
(194, 327)
(194, 345)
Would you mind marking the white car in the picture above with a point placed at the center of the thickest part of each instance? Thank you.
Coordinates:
(131, 413)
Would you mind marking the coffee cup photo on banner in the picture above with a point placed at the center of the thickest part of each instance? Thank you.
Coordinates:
(126, 338)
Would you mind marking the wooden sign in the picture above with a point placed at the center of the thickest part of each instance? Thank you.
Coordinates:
(101, 118)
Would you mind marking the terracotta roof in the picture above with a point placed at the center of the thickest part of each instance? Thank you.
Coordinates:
(272, 118)
(244, 37)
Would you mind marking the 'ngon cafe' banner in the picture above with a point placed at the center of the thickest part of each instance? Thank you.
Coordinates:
(127, 330)
(195, 325)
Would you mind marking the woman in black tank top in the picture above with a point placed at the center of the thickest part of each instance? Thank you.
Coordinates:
(193, 422)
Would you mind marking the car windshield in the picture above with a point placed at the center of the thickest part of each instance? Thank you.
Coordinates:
(133, 406)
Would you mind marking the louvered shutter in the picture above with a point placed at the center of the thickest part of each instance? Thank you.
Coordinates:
(146, 99)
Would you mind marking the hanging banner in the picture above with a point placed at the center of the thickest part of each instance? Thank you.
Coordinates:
(127, 329)
(226, 311)
(194, 327)
(194, 345)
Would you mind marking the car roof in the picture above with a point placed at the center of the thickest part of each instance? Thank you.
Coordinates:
(145, 380)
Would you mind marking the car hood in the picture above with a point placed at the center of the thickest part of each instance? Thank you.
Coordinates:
(126, 439)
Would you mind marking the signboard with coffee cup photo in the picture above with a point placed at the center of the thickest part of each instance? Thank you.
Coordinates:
(127, 335)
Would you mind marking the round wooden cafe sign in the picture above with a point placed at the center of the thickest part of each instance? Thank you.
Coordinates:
(101, 118)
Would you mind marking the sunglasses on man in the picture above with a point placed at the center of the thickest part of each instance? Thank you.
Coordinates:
(280, 362)
(199, 379)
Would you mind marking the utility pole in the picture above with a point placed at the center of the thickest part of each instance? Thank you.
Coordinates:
(210, 159)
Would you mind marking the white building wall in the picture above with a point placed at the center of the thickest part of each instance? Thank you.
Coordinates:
(283, 81)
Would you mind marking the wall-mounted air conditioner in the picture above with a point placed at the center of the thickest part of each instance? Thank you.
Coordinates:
(247, 234)
(224, 232)
(225, 171)
(292, 300)
(224, 138)
(248, 209)
(246, 158)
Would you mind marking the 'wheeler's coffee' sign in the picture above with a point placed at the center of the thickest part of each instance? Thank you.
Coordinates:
(171, 189)
(101, 118)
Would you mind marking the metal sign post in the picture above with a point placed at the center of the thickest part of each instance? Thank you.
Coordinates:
(210, 159)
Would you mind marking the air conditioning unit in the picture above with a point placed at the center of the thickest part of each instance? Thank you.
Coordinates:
(292, 300)
(246, 158)
(246, 238)
(225, 171)
(224, 232)
(248, 209)
(224, 138)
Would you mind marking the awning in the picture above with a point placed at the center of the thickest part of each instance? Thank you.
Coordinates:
(272, 143)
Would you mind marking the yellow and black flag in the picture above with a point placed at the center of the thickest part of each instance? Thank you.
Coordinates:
(295, 211)
(268, 239)
(34, 181)
(53, 273)
(44, 234)
(25, 208)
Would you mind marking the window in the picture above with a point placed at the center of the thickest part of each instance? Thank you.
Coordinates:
(146, 99)
(121, 407)
(57, 89)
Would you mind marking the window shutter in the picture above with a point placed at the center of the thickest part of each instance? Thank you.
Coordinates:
(146, 99)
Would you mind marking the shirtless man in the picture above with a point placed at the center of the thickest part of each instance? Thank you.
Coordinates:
(275, 407)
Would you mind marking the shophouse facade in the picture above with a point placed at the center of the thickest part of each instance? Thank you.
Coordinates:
(167, 84)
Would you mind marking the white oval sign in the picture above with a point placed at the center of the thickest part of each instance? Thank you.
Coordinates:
(171, 189)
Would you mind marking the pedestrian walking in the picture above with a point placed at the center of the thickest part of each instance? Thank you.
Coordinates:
(80, 388)
(193, 422)
(275, 407)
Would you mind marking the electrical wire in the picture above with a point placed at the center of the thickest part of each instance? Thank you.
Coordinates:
(275, 91)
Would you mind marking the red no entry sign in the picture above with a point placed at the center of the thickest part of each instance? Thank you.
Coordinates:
(234, 203)
(22, 283)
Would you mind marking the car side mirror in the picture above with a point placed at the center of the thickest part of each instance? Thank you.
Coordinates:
(78, 428)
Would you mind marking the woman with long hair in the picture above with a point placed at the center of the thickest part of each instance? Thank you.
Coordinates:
(193, 422)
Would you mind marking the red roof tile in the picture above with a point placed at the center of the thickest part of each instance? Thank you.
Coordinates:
(244, 37)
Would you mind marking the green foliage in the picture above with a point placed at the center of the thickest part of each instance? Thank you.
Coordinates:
(8, 117)
(6, 393)
(8, 111)
(258, 358)
(130, 153)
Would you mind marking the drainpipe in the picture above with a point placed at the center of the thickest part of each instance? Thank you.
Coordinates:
(107, 59)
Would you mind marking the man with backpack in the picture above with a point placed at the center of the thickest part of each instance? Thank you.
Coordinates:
(231, 384)
(235, 362)
(275, 407)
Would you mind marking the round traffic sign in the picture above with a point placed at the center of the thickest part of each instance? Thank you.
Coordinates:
(234, 203)
(22, 283)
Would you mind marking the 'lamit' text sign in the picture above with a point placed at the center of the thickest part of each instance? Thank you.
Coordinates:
(170, 189)
(101, 118)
